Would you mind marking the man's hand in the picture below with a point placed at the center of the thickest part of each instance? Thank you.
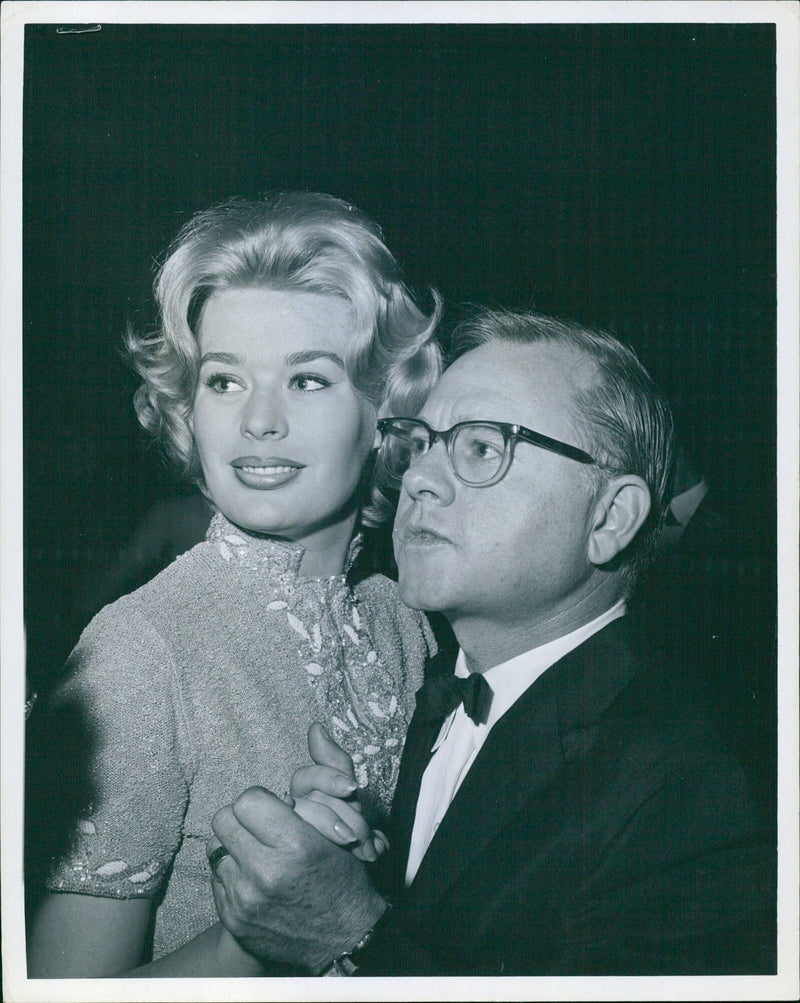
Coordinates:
(326, 797)
(285, 892)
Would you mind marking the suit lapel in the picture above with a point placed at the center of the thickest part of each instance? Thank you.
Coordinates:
(552, 722)
(416, 756)
(520, 755)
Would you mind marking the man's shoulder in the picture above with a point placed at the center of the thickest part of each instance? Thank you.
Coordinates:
(655, 733)
(629, 698)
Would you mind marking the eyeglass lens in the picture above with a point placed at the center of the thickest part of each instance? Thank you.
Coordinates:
(476, 451)
(401, 444)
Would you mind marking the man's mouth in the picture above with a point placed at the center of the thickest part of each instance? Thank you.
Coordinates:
(420, 536)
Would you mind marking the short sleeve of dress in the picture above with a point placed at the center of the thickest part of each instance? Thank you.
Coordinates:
(121, 694)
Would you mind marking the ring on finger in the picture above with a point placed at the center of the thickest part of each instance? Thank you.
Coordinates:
(216, 856)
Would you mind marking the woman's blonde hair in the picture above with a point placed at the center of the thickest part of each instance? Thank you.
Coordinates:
(299, 241)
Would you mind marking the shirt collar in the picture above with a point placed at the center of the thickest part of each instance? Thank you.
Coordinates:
(510, 679)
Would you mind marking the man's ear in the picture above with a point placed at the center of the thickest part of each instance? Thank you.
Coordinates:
(620, 510)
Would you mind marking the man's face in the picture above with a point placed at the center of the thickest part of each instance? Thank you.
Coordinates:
(514, 553)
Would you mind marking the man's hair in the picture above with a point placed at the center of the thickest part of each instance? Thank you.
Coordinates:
(627, 421)
(295, 242)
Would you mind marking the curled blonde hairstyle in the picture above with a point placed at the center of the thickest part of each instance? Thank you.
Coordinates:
(304, 242)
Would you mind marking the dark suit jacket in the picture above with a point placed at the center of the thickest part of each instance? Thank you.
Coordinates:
(602, 829)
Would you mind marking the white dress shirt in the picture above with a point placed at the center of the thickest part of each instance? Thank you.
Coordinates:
(460, 739)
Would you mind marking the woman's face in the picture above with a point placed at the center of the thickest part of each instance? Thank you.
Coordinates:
(281, 433)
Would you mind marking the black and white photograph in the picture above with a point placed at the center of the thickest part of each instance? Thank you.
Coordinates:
(399, 499)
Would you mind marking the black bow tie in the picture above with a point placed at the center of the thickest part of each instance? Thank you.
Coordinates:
(441, 694)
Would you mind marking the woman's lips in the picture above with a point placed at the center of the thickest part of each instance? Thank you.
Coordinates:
(265, 474)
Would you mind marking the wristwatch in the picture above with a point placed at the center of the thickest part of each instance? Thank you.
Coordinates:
(347, 963)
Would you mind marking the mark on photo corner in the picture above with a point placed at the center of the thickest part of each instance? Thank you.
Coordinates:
(77, 29)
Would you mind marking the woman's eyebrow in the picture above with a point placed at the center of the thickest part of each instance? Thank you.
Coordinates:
(311, 355)
(225, 357)
(295, 359)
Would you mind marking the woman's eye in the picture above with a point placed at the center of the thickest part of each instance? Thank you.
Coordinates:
(222, 384)
(309, 382)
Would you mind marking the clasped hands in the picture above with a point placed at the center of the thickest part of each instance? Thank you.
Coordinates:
(294, 888)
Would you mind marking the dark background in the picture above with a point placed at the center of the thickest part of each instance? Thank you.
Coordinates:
(623, 175)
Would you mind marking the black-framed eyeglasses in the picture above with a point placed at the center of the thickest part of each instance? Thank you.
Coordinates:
(480, 452)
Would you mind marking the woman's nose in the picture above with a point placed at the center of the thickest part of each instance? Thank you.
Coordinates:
(264, 416)
(431, 476)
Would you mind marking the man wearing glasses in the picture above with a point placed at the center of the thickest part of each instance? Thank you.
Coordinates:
(560, 808)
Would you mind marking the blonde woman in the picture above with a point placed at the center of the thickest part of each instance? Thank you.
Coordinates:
(285, 329)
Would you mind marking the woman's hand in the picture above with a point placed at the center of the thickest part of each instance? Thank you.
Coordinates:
(342, 824)
(325, 795)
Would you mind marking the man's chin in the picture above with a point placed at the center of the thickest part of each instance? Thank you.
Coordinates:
(419, 594)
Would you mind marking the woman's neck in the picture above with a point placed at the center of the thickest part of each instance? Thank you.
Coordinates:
(326, 549)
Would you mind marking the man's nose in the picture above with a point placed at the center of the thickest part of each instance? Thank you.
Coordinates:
(264, 416)
(431, 476)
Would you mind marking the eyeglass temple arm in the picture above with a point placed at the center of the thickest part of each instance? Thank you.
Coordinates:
(554, 445)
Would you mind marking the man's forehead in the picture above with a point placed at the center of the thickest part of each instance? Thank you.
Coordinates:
(506, 381)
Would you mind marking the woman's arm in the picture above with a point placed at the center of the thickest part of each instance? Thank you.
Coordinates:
(85, 936)
(119, 804)
(215, 953)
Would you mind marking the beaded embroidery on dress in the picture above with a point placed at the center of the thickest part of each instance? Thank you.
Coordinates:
(353, 688)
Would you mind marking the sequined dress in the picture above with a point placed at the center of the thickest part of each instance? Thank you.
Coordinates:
(204, 682)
